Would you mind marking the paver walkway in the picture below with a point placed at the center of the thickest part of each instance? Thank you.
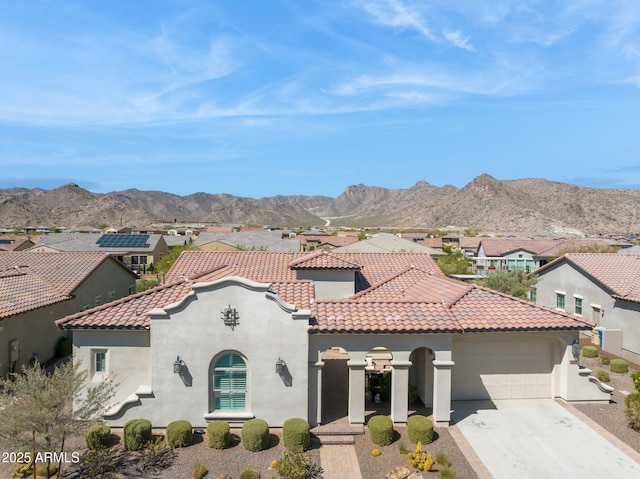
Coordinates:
(339, 462)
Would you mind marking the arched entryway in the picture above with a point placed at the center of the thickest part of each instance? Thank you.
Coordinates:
(421, 381)
(378, 373)
(335, 385)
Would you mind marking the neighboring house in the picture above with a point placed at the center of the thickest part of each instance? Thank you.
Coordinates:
(389, 243)
(251, 240)
(601, 287)
(528, 254)
(236, 335)
(136, 251)
(329, 242)
(38, 288)
(15, 244)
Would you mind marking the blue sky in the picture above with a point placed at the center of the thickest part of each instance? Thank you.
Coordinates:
(259, 98)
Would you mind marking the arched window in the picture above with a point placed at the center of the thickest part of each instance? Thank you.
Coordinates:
(230, 383)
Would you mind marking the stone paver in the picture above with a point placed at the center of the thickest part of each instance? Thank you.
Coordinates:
(339, 462)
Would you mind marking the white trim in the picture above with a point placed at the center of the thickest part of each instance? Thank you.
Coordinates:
(579, 296)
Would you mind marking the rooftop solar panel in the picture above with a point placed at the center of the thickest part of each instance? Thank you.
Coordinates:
(123, 241)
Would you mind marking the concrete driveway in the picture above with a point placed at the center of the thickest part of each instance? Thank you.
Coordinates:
(538, 438)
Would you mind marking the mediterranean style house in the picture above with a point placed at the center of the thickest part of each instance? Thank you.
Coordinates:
(601, 287)
(242, 334)
(38, 288)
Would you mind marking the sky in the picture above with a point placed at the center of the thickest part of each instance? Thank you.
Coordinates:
(260, 98)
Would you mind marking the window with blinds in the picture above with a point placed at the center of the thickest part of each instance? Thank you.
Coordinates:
(230, 382)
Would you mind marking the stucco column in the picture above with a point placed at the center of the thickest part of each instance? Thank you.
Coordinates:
(356, 390)
(399, 390)
(315, 392)
(442, 366)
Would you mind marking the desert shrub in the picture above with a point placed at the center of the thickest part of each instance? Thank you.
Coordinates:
(96, 463)
(42, 470)
(619, 366)
(296, 465)
(632, 410)
(98, 437)
(442, 459)
(381, 430)
(447, 473)
(603, 376)
(249, 474)
(402, 448)
(589, 351)
(198, 471)
(179, 433)
(420, 429)
(604, 360)
(255, 435)
(156, 456)
(218, 435)
(295, 434)
(636, 380)
(137, 434)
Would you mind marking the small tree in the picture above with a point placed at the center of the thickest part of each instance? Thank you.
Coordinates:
(41, 410)
(516, 283)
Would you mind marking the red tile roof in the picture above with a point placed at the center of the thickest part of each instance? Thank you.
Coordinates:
(323, 260)
(31, 280)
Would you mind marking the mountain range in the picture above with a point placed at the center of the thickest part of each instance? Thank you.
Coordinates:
(532, 206)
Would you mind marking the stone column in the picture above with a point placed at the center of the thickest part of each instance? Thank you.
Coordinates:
(315, 393)
(356, 390)
(442, 365)
(400, 391)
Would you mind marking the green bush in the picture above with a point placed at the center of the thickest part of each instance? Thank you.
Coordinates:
(249, 474)
(636, 380)
(632, 411)
(420, 429)
(603, 376)
(137, 434)
(218, 435)
(447, 473)
(98, 437)
(604, 360)
(179, 433)
(295, 465)
(255, 435)
(619, 366)
(589, 351)
(198, 471)
(295, 434)
(381, 430)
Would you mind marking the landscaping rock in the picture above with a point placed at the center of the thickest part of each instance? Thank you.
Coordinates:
(399, 472)
(416, 475)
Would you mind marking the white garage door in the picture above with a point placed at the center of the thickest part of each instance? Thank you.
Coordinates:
(502, 369)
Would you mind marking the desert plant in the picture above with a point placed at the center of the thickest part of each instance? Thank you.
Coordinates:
(589, 351)
(603, 376)
(632, 410)
(218, 435)
(249, 474)
(402, 448)
(198, 471)
(375, 452)
(296, 465)
(295, 435)
(137, 434)
(419, 459)
(442, 459)
(604, 360)
(98, 437)
(41, 471)
(420, 429)
(619, 366)
(381, 430)
(447, 473)
(179, 433)
(255, 435)
(636, 380)
(96, 463)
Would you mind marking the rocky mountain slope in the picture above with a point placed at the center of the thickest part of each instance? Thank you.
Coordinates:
(485, 204)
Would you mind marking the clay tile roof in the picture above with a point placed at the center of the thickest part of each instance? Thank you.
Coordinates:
(371, 317)
(323, 260)
(299, 293)
(486, 310)
(31, 280)
(502, 246)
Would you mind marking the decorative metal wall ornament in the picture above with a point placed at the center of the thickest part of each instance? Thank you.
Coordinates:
(230, 317)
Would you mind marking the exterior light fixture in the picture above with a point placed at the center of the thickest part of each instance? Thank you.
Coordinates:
(575, 349)
(230, 316)
(177, 365)
(279, 366)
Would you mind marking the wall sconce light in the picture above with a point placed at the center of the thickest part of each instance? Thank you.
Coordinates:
(279, 366)
(177, 365)
(230, 316)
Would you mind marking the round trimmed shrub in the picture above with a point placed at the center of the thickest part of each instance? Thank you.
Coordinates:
(249, 474)
(619, 366)
(218, 435)
(589, 351)
(603, 376)
(255, 435)
(420, 429)
(295, 434)
(137, 434)
(98, 437)
(381, 430)
(179, 433)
